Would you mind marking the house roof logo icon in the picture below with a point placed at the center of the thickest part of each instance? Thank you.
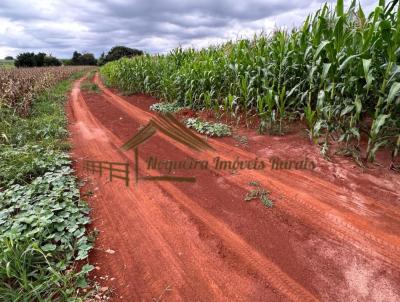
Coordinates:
(171, 127)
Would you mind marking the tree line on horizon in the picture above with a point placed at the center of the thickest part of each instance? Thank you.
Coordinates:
(30, 59)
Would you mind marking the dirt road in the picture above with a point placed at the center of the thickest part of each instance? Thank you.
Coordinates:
(332, 235)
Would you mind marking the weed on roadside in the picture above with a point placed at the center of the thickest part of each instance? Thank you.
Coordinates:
(29, 273)
(90, 87)
(165, 107)
(208, 128)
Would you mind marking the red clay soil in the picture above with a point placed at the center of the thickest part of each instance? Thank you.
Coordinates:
(332, 235)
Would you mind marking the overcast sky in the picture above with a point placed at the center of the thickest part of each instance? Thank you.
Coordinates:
(60, 27)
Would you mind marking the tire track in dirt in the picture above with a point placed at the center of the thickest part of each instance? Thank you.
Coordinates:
(97, 141)
(351, 228)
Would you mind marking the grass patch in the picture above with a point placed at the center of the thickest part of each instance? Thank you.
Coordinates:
(208, 128)
(31, 146)
(42, 218)
(29, 275)
(91, 74)
(90, 87)
(7, 64)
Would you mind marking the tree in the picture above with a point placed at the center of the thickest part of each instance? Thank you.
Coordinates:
(83, 59)
(39, 59)
(76, 58)
(51, 61)
(26, 59)
(101, 60)
(88, 59)
(9, 58)
(66, 62)
(118, 52)
(29, 59)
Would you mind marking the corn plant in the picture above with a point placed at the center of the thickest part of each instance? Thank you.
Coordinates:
(340, 70)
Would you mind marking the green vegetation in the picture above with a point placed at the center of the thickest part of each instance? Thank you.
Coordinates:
(29, 59)
(89, 86)
(118, 52)
(42, 219)
(259, 193)
(208, 128)
(340, 71)
(165, 107)
(82, 59)
(6, 64)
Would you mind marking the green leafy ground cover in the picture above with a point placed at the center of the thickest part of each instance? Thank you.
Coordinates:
(42, 218)
(165, 107)
(208, 128)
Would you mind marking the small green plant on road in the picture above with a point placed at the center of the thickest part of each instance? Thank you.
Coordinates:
(259, 193)
(90, 87)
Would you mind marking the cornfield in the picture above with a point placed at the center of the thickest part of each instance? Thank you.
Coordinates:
(339, 71)
(18, 87)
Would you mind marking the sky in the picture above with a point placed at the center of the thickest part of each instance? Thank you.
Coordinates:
(156, 26)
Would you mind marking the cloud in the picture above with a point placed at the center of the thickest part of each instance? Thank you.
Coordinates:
(60, 27)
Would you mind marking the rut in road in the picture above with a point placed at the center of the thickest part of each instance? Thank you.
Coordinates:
(305, 197)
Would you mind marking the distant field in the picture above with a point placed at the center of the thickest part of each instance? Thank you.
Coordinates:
(6, 63)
